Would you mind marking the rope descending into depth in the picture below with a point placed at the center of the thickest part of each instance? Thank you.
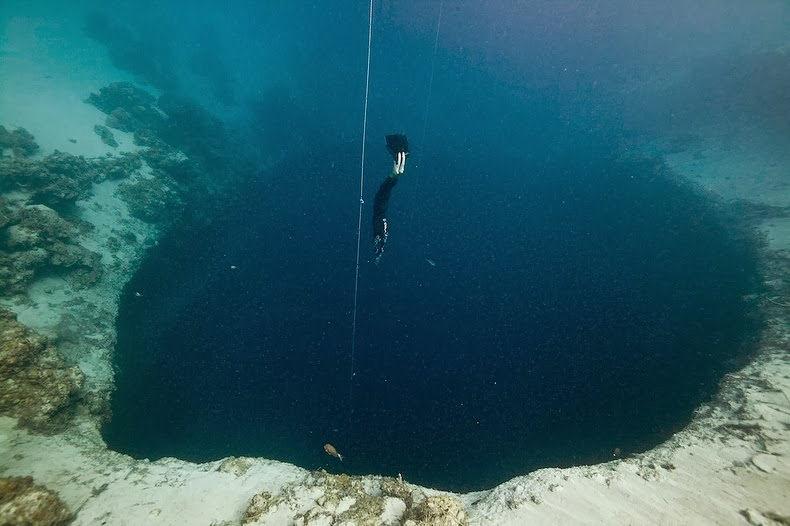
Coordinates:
(359, 219)
(433, 67)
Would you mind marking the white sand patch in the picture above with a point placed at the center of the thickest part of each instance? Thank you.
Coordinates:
(45, 299)
(110, 488)
(701, 476)
(48, 67)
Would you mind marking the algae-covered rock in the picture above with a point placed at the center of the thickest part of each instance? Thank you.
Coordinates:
(172, 162)
(123, 95)
(55, 180)
(128, 107)
(395, 487)
(39, 240)
(260, 504)
(116, 166)
(438, 510)
(122, 120)
(324, 498)
(24, 503)
(152, 199)
(105, 135)
(19, 141)
(235, 466)
(36, 386)
(60, 179)
(5, 213)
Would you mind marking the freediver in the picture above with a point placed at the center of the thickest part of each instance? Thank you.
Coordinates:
(398, 146)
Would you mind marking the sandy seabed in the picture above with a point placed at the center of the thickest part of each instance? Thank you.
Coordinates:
(728, 466)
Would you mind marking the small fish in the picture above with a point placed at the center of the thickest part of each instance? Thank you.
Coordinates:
(430, 262)
(331, 451)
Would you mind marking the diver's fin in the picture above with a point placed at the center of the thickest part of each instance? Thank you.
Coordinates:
(397, 143)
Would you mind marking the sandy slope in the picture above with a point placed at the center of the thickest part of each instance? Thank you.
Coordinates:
(729, 466)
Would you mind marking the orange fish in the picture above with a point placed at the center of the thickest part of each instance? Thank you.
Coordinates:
(330, 450)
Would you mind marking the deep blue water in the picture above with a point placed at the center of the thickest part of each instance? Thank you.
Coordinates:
(574, 308)
(581, 301)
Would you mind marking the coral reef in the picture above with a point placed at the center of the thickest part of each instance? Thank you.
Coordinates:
(235, 466)
(60, 179)
(20, 142)
(323, 498)
(438, 510)
(105, 135)
(116, 166)
(173, 163)
(128, 108)
(152, 199)
(37, 240)
(24, 503)
(180, 136)
(39, 230)
(36, 386)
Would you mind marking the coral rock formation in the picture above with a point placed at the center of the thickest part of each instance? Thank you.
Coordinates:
(20, 142)
(23, 503)
(39, 232)
(36, 386)
(323, 498)
(128, 107)
(438, 510)
(60, 179)
(38, 240)
(105, 135)
(154, 199)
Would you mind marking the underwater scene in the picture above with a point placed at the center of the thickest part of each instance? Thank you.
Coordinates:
(394, 262)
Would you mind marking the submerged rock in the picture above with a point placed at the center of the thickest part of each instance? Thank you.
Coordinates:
(136, 105)
(438, 510)
(39, 240)
(323, 498)
(172, 162)
(60, 179)
(24, 503)
(56, 180)
(116, 166)
(152, 199)
(36, 385)
(105, 135)
(19, 141)
(235, 466)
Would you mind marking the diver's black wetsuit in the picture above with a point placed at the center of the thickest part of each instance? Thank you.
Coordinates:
(380, 226)
(398, 146)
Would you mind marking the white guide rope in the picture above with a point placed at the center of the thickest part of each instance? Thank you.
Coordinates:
(433, 67)
(359, 219)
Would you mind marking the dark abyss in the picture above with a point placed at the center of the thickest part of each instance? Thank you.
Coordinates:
(575, 307)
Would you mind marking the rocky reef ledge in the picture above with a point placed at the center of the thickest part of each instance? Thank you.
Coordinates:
(73, 228)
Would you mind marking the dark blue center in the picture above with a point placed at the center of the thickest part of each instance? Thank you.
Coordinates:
(525, 314)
